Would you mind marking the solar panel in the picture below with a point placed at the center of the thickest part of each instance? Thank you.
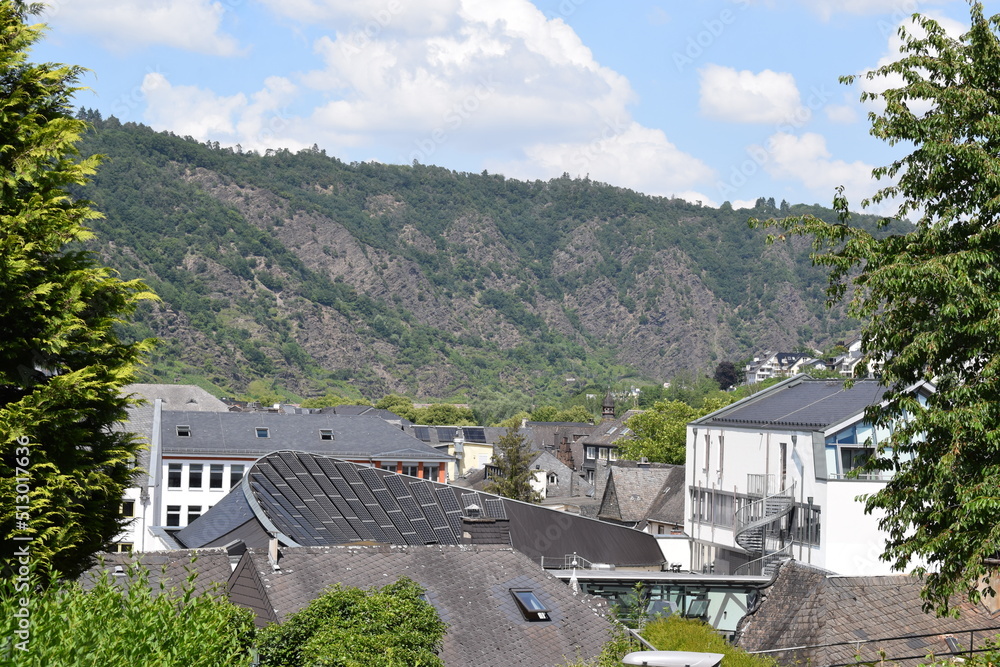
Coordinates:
(345, 489)
(475, 434)
(470, 499)
(349, 472)
(386, 499)
(495, 509)
(445, 536)
(435, 516)
(422, 493)
(410, 508)
(448, 501)
(424, 531)
(396, 484)
(372, 478)
(446, 434)
(422, 433)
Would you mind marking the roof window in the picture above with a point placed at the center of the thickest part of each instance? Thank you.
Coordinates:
(531, 608)
(184, 431)
(262, 432)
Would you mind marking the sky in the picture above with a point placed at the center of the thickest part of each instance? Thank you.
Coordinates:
(712, 101)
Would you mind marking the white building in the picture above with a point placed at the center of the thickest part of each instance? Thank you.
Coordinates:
(193, 458)
(767, 478)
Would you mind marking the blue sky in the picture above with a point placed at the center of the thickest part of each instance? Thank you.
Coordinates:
(711, 101)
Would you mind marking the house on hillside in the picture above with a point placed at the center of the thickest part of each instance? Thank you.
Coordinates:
(809, 616)
(501, 608)
(768, 477)
(307, 499)
(767, 365)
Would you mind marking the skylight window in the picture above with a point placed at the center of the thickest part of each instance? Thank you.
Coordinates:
(530, 606)
(326, 434)
(184, 431)
(262, 432)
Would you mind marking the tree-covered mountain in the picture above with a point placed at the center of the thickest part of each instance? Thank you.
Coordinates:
(317, 275)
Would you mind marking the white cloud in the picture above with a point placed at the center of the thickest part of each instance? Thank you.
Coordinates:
(805, 159)
(373, 17)
(476, 78)
(258, 123)
(122, 25)
(841, 113)
(828, 8)
(745, 97)
(628, 155)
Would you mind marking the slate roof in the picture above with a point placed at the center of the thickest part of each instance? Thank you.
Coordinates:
(445, 435)
(635, 493)
(311, 500)
(172, 569)
(140, 422)
(188, 397)
(354, 437)
(806, 606)
(799, 403)
(469, 587)
(367, 411)
(609, 430)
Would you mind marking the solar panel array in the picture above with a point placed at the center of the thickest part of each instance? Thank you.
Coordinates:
(321, 501)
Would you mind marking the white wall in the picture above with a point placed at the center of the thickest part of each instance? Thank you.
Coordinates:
(851, 539)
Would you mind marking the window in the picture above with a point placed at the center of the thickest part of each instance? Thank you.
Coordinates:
(722, 452)
(194, 476)
(128, 508)
(590, 476)
(174, 476)
(194, 511)
(410, 470)
(235, 474)
(184, 431)
(591, 453)
(708, 450)
(603, 453)
(431, 472)
(553, 478)
(530, 606)
(262, 432)
(121, 548)
(215, 476)
(173, 515)
(614, 453)
(326, 434)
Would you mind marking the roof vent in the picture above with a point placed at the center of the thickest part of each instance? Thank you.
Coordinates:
(473, 511)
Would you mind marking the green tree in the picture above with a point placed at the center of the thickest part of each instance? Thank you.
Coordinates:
(930, 298)
(726, 375)
(351, 627)
(62, 363)
(399, 405)
(577, 413)
(660, 433)
(445, 413)
(124, 621)
(512, 455)
(332, 401)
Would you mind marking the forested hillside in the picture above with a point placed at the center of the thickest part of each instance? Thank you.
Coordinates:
(316, 275)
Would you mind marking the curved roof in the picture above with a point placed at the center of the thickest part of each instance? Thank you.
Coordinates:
(311, 500)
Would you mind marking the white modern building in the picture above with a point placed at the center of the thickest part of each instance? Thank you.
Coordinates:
(768, 478)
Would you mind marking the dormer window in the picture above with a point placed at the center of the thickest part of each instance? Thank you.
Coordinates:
(184, 431)
(262, 432)
(531, 608)
(326, 434)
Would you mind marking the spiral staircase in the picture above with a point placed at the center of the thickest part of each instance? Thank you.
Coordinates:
(757, 526)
